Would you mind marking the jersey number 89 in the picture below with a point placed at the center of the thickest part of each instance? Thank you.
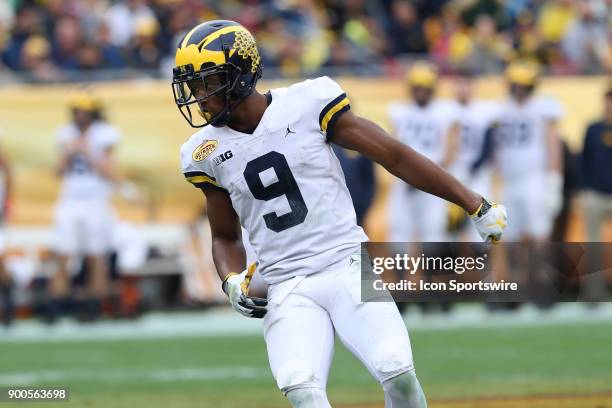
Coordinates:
(286, 185)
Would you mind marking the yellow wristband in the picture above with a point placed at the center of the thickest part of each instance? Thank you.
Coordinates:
(475, 213)
(482, 209)
(229, 275)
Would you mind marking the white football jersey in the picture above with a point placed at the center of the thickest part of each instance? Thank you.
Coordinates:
(474, 119)
(423, 128)
(80, 180)
(284, 181)
(520, 142)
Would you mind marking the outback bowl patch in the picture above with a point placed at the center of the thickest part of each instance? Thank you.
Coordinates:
(204, 150)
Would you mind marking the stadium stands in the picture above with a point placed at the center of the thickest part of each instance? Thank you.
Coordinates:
(62, 40)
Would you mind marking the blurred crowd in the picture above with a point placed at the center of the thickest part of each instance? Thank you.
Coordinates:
(48, 39)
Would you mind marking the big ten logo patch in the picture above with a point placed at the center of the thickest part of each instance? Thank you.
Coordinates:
(223, 157)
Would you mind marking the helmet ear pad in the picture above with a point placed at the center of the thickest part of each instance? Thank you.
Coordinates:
(246, 80)
(243, 87)
(245, 83)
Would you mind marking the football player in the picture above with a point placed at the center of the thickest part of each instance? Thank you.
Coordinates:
(528, 152)
(264, 161)
(423, 124)
(473, 118)
(83, 215)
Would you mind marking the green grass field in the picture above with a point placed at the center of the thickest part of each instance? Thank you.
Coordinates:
(453, 364)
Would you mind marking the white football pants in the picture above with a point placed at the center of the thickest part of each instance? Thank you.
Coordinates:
(304, 313)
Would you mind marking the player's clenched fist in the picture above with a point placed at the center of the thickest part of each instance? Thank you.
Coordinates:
(490, 220)
(236, 287)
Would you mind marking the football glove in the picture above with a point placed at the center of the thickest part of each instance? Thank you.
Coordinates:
(236, 287)
(490, 220)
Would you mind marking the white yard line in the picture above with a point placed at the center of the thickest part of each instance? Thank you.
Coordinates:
(117, 375)
(224, 322)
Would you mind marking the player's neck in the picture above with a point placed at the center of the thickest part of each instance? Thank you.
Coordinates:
(248, 114)
(83, 128)
(522, 100)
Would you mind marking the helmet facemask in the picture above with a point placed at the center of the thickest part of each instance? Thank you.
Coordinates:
(193, 89)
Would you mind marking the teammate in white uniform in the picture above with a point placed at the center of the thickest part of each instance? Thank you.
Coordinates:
(424, 125)
(473, 118)
(83, 215)
(527, 151)
(266, 163)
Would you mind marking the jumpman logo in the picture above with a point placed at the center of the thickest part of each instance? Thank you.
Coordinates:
(288, 131)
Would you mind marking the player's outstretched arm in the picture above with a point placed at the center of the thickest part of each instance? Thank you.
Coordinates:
(229, 255)
(360, 134)
(356, 133)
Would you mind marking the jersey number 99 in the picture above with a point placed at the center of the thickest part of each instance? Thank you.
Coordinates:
(285, 186)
